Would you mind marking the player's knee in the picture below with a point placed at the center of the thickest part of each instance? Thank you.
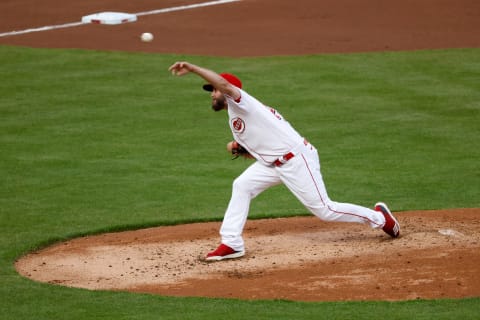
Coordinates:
(325, 212)
(242, 185)
(239, 184)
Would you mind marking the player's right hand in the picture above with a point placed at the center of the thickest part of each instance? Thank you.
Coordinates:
(180, 68)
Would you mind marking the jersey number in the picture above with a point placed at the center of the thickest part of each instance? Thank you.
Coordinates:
(276, 114)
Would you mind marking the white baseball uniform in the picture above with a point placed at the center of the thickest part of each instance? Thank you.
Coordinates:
(283, 156)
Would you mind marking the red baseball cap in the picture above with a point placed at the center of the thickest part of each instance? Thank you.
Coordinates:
(227, 76)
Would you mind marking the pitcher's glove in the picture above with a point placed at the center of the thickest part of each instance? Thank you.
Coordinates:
(237, 150)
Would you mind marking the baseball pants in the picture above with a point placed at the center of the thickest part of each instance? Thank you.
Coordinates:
(302, 176)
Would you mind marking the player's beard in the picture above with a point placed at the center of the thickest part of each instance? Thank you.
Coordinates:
(219, 103)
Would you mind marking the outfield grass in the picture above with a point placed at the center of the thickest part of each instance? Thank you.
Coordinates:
(101, 141)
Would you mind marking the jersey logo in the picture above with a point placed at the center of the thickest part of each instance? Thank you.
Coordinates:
(238, 125)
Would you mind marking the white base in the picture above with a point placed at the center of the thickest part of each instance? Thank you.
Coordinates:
(109, 18)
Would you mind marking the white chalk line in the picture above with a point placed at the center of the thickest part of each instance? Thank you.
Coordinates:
(186, 7)
(145, 13)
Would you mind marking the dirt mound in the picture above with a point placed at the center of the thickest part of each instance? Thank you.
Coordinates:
(300, 258)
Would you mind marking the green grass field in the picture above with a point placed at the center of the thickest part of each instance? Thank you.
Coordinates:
(105, 141)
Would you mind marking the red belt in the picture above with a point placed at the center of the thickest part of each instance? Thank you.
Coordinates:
(280, 161)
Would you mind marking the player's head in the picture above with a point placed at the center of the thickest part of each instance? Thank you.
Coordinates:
(218, 99)
(231, 78)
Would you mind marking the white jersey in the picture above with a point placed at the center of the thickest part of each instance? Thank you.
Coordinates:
(261, 129)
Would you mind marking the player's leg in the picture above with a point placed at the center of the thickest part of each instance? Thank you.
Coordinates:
(303, 178)
(247, 186)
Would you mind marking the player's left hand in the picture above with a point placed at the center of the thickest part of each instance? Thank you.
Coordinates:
(238, 150)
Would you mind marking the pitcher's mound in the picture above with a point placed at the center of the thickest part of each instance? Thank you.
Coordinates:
(437, 256)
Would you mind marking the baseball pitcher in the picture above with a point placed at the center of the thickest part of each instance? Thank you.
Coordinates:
(282, 156)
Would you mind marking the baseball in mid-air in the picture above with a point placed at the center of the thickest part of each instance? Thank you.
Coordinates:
(146, 37)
